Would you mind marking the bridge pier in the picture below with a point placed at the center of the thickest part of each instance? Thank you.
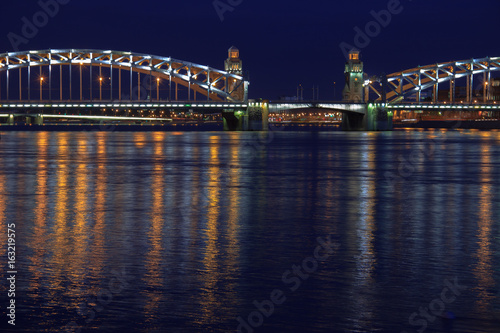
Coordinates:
(38, 119)
(254, 118)
(353, 122)
(8, 120)
(235, 120)
(376, 118)
(258, 115)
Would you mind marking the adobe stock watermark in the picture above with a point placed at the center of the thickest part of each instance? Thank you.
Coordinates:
(407, 167)
(292, 279)
(496, 307)
(372, 29)
(30, 28)
(228, 173)
(260, 141)
(223, 6)
(88, 310)
(436, 307)
(91, 146)
(142, 91)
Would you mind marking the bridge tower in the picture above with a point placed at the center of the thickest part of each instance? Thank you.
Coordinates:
(376, 117)
(234, 65)
(354, 76)
(238, 120)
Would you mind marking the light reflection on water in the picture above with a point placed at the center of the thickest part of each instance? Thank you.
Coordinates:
(204, 223)
(483, 268)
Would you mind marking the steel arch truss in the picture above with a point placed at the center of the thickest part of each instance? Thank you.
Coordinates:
(213, 83)
(413, 81)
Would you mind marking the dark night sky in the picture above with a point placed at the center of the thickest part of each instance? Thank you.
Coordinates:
(282, 43)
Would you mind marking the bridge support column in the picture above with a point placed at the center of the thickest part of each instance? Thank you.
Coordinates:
(353, 122)
(265, 115)
(235, 120)
(39, 119)
(10, 119)
(254, 118)
(258, 115)
(376, 118)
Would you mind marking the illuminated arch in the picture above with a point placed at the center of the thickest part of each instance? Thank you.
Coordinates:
(215, 84)
(413, 81)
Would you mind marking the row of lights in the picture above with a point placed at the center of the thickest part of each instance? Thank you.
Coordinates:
(441, 106)
(124, 105)
(100, 87)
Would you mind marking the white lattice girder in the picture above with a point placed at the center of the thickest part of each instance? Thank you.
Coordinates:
(215, 83)
(433, 74)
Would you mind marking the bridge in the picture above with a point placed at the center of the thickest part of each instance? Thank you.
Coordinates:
(370, 103)
(412, 82)
(105, 85)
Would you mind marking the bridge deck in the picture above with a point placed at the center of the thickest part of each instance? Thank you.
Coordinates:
(71, 105)
(443, 107)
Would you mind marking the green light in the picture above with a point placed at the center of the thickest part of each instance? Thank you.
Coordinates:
(188, 105)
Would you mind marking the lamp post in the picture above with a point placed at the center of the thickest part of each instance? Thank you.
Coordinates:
(485, 92)
(157, 88)
(41, 82)
(100, 88)
(81, 82)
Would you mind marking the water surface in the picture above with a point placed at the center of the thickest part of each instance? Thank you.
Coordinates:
(183, 231)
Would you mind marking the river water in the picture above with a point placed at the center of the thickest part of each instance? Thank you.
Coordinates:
(252, 232)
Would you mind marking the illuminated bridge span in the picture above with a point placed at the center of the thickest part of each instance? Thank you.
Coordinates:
(103, 86)
(408, 83)
(278, 107)
(142, 111)
(96, 75)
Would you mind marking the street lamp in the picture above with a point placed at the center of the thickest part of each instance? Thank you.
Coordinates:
(100, 88)
(41, 82)
(157, 88)
(81, 82)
